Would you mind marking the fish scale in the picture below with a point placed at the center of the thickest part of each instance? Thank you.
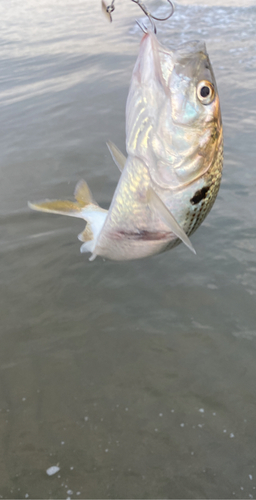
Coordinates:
(212, 179)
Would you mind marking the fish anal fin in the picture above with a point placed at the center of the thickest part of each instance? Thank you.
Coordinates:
(117, 155)
(157, 205)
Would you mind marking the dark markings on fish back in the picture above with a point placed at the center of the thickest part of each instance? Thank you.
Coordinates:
(213, 183)
(200, 195)
(197, 212)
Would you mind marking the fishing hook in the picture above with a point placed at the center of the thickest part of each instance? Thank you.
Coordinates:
(144, 9)
(148, 14)
(108, 9)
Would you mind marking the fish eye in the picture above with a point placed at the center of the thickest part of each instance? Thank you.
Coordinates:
(205, 92)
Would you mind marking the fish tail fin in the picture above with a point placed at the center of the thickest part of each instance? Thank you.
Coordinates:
(84, 208)
(83, 198)
(62, 207)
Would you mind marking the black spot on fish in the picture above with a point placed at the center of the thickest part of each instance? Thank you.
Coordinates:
(200, 195)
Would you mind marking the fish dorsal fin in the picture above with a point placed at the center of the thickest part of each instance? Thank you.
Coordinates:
(117, 155)
(87, 234)
(83, 194)
(160, 208)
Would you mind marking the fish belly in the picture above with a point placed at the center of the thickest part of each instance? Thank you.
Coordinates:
(131, 229)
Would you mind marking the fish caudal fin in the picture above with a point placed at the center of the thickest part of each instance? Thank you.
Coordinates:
(84, 208)
(160, 208)
(62, 207)
(83, 194)
(66, 207)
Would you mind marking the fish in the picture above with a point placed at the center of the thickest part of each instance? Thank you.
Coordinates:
(171, 175)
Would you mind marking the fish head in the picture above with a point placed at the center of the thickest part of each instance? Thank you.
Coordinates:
(173, 112)
(193, 92)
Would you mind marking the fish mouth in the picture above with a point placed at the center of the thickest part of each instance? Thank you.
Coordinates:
(167, 126)
(191, 55)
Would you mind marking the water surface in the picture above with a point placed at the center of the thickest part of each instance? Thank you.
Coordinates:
(135, 379)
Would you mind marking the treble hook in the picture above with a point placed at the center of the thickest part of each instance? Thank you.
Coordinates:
(108, 10)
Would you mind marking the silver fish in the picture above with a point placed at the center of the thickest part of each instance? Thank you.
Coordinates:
(171, 176)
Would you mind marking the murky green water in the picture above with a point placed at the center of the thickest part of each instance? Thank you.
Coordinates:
(135, 379)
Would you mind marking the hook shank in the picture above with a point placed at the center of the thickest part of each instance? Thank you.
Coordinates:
(108, 10)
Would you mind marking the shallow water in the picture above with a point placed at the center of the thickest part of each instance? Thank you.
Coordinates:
(136, 379)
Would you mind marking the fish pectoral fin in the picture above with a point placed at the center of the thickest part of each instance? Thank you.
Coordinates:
(117, 155)
(62, 207)
(87, 234)
(160, 208)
